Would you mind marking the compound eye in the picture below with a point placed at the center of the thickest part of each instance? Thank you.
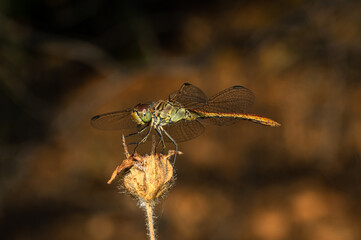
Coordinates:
(143, 108)
(143, 113)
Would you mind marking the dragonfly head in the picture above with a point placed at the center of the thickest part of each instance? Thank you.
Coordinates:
(142, 114)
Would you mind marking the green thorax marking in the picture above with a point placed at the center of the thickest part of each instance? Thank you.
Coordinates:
(173, 112)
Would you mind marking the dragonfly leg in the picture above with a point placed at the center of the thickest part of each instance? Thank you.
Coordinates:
(140, 131)
(175, 144)
(143, 140)
(161, 139)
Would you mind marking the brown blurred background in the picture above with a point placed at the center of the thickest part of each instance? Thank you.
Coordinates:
(62, 61)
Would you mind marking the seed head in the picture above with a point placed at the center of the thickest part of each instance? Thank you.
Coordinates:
(150, 178)
(147, 177)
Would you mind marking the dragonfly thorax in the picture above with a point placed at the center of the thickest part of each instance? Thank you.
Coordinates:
(166, 112)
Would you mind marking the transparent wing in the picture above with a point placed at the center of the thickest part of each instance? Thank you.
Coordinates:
(183, 130)
(236, 99)
(114, 120)
(189, 96)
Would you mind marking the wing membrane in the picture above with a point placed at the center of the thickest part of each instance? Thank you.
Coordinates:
(189, 96)
(236, 99)
(183, 130)
(114, 120)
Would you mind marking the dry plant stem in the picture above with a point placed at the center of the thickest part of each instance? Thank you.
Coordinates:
(150, 220)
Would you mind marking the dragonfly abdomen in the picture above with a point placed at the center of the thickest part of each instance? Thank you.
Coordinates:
(249, 117)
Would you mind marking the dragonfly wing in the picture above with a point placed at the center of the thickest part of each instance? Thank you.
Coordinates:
(114, 120)
(189, 96)
(235, 99)
(183, 130)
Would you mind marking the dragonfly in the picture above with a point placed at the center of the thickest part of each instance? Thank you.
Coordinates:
(181, 117)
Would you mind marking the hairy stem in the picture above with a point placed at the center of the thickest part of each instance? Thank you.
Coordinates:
(150, 220)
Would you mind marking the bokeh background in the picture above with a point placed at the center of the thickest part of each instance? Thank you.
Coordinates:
(63, 61)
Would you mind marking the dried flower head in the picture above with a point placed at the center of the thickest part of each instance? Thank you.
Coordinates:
(148, 177)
